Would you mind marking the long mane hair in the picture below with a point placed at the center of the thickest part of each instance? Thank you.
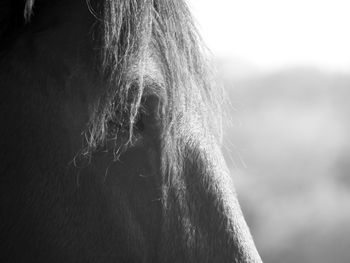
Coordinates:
(132, 35)
(163, 30)
(138, 49)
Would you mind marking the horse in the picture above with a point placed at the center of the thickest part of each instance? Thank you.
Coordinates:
(111, 137)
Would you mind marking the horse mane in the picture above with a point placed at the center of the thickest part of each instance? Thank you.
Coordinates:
(131, 34)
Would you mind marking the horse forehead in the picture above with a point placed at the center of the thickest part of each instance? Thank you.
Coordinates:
(72, 25)
(150, 68)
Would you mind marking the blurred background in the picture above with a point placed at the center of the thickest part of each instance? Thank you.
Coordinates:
(285, 65)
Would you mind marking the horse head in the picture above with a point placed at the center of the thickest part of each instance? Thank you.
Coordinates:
(111, 137)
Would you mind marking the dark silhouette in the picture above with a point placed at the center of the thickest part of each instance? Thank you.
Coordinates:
(110, 137)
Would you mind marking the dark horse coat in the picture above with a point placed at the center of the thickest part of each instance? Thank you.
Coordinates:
(110, 137)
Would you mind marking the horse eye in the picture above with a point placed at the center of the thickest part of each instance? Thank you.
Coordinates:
(139, 124)
(146, 121)
(121, 129)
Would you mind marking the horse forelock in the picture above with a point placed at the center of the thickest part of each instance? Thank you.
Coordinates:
(150, 46)
(158, 32)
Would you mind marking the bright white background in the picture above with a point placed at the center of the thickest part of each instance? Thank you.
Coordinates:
(286, 67)
(275, 33)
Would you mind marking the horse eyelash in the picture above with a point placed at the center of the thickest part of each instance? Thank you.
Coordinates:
(121, 127)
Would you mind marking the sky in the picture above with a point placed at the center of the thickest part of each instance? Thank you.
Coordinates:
(272, 34)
